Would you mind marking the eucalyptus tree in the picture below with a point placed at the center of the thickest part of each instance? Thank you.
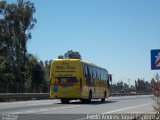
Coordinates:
(16, 23)
(72, 54)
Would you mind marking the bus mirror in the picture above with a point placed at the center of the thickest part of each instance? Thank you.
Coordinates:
(110, 77)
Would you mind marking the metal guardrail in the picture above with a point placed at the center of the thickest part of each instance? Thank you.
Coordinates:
(22, 96)
(128, 94)
(37, 96)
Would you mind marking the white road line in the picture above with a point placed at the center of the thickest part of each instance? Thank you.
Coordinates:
(51, 109)
(15, 113)
(125, 108)
(35, 104)
(28, 112)
(61, 108)
(45, 109)
(118, 110)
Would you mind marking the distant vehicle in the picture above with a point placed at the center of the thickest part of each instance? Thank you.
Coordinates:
(75, 79)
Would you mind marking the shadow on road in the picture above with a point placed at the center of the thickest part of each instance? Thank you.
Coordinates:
(90, 103)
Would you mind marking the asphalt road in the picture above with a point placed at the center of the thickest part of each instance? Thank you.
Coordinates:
(75, 110)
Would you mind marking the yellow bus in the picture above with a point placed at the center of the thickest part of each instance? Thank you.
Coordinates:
(75, 79)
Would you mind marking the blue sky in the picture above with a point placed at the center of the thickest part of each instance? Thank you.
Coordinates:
(115, 34)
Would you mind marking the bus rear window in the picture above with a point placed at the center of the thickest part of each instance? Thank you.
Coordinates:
(67, 81)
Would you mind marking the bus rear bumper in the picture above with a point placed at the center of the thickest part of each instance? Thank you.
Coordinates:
(68, 95)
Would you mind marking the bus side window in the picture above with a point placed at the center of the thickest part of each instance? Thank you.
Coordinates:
(93, 75)
(92, 72)
(85, 70)
(100, 77)
(102, 74)
(86, 73)
(89, 72)
(96, 74)
(106, 77)
(88, 76)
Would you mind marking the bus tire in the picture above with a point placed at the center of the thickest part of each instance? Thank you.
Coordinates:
(90, 96)
(64, 101)
(103, 99)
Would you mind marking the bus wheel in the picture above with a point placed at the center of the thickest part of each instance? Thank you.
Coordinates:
(90, 96)
(103, 99)
(64, 101)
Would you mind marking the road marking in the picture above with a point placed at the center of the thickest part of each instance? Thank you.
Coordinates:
(35, 104)
(15, 113)
(51, 109)
(117, 110)
(28, 112)
(61, 108)
(125, 108)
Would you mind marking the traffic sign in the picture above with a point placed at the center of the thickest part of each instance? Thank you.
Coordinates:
(155, 59)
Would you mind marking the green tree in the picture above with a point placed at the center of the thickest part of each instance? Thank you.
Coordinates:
(143, 86)
(38, 77)
(47, 65)
(31, 61)
(120, 86)
(60, 57)
(16, 21)
(148, 88)
(72, 54)
(132, 88)
(126, 88)
(140, 85)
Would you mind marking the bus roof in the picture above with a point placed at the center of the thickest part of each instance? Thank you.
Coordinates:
(86, 62)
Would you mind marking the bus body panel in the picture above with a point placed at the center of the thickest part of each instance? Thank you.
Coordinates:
(98, 88)
(65, 79)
